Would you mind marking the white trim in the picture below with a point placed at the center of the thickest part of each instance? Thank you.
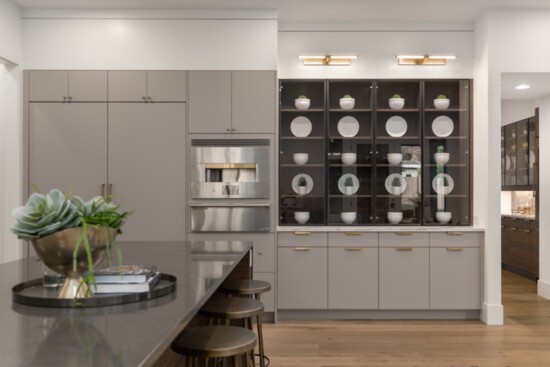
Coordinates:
(543, 289)
(492, 314)
(300, 26)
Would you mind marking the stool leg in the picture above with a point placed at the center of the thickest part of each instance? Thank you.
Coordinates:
(260, 339)
(188, 361)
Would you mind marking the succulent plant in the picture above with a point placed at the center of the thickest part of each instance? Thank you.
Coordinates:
(396, 96)
(441, 149)
(348, 182)
(302, 181)
(347, 96)
(396, 182)
(441, 96)
(302, 97)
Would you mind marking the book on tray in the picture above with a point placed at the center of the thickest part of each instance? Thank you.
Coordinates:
(126, 287)
(125, 274)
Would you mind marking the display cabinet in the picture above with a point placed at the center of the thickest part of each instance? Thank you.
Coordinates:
(370, 152)
(518, 155)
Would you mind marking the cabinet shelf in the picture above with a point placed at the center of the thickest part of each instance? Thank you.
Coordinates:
(398, 138)
(350, 111)
(404, 110)
(448, 196)
(302, 138)
(445, 137)
(303, 196)
(349, 196)
(349, 165)
(295, 110)
(337, 137)
(447, 110)
(303, 165)
(447, 165)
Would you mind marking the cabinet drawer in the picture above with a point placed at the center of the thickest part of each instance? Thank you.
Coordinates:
(404, 239)
(455, 239)
(353, 239)
(302, 238)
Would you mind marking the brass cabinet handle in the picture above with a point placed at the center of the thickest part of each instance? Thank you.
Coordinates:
(403, 249)
(456, 249)
(403, 233)
(70, 98)
(103, 190)
(64, 98)
(110, 192)
(302, 233)
(353, 248)
(455, 233)
(149, 99)
(352, 233)
(233, 129)
(527, 230)
(144, 98)
(302, 248)
(260, 252)
(513, 228)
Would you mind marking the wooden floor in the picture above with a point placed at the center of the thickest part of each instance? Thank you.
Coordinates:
(523, 341)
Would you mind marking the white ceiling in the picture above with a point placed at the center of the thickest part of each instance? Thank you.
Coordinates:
(435, 11)
(539, 82)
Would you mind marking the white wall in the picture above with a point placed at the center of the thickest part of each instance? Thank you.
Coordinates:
(184, 44)
(376, 52)
(513, 110)
(10, 32)
(544, 197)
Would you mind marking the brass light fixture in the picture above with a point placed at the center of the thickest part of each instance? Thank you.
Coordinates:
(332, 60)
(424, 59)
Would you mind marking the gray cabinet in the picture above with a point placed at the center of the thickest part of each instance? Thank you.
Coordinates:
(352, 278)
(302, 278)
(68, 147)
(232, 102)
(147, 86)
(353, 239)
(268, 298)
(307, 239)
(404, 278)
(146, 168)
(68, 86)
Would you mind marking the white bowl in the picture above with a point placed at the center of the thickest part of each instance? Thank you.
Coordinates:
(441, 158)
(443, 217)
(441, 104)
(395, 217)
(302, 104)
(349, 158)
(348, 217)
(301, 217)
(394, 158)
(347, 103)
(300, 158)
(397, 103)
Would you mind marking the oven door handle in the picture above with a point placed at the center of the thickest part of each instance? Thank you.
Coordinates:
(215, 205)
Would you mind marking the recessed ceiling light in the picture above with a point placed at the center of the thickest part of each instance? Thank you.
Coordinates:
(522, 86)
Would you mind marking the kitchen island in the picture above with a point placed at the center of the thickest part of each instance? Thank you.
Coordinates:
(134, 334)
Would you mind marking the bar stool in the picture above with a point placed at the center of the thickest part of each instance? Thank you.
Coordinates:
(204, 342)
(253, 289)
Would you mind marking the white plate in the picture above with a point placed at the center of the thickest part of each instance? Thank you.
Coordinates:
(396, 126)
(309, 182)
(389, 181)
(348, 126)
(342, 179)
(449, 181)
(301, 127)
(508, 162)
(531, 158)
(442, 126)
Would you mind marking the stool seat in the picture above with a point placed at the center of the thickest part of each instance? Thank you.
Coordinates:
(245, 286)
(232, 308)
(214, 341)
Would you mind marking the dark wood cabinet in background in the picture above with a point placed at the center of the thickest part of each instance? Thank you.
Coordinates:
(520, 246)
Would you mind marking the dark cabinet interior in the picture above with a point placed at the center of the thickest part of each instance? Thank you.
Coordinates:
(351, 166)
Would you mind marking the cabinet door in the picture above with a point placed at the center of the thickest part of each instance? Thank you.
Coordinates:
(48, 85)
(253, 100)
(353, 278)
(147, 168)
(166, 86)
(268, 299)
(404, 278)
(209, 102)
(87, 86)
(302, 278)
(127, 86)
(455, 280)
(68, 147)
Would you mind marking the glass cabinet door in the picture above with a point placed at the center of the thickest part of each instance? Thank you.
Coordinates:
(532, 149)
(510, 154)
(522, 152)
(447, 152)
(502, 157)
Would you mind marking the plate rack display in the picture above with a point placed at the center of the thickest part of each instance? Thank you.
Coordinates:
(374, 152)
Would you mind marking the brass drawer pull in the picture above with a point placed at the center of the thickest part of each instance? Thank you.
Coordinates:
(403, 233)
(302, 248)
(527, 230)
(353, 249)
(302, 233)
(404, 249)
(352, 233)
(455, 233)
(455, 249)
(513, 228)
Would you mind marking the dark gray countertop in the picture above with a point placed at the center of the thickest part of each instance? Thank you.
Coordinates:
(133, 334)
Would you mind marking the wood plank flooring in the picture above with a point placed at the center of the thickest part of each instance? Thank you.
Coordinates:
(523, 341)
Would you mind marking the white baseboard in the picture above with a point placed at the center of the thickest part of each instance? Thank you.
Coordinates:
(492, 314)
(543, 289)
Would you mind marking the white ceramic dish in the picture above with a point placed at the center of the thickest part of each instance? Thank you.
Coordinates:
(396, 103)
(437, 184)
(302, 104)
(443, 217)
(395, 217)
(301, 127)
(347, 103)
(300, 158)
(394, 158)
(355, 186)
(301, 217)
(389, 180)
(348, 217)
(309, 183)
(441, 158)
(349, 158)
(442, 126)
(348, 126)
(396, 126)
(441, 104)
(531, 158)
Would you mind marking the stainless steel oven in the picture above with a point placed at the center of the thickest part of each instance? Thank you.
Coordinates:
(230, 169)
(230, 217)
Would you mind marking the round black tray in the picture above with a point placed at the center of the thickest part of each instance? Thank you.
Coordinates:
(33, 293)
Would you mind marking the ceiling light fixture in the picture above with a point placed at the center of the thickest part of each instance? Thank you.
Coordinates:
(424, 59)
(336, 60)
(522, 86)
